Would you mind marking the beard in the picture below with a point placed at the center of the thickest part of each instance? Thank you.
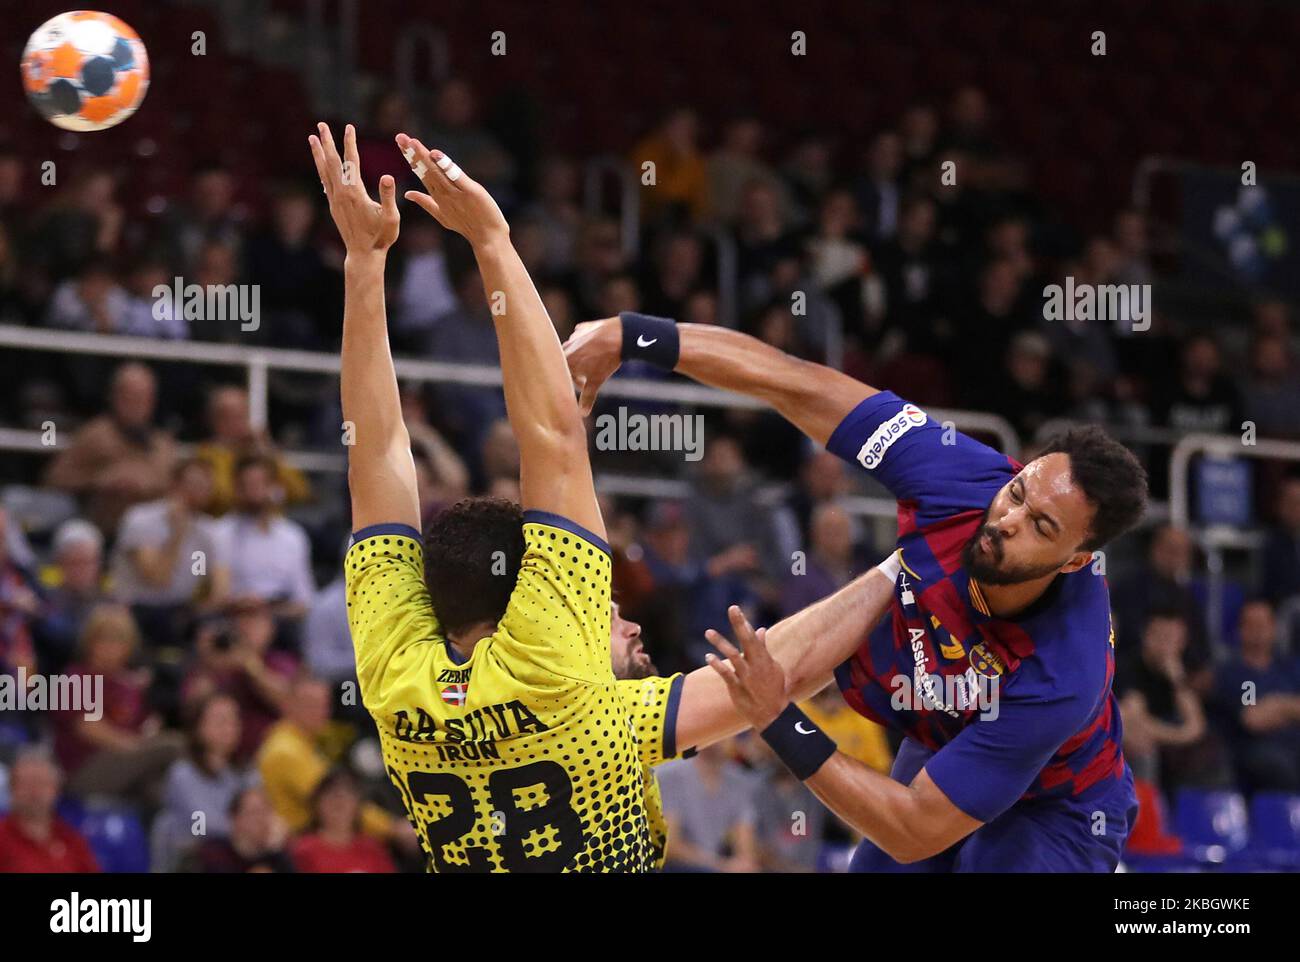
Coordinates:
(988, 568)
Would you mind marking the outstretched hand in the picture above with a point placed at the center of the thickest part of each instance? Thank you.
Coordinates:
(363, 224)
(454, 199)
(594, 351)
(755, 680)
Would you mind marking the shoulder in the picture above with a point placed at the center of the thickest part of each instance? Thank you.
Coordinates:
(1073, 651)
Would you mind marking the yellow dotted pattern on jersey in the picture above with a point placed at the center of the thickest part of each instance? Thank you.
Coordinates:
(647, 703)
(536, 765)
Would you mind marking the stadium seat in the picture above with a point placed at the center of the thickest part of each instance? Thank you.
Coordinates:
(1275, 829)
(1213, 824)
(118, 840)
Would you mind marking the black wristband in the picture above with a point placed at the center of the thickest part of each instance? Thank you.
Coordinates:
(649, 338)
(800, 744)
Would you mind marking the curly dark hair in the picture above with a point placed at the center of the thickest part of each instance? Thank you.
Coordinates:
(1112, 478)
(469, 582)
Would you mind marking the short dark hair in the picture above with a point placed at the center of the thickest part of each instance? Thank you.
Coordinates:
(469, 582)
(1111, 477)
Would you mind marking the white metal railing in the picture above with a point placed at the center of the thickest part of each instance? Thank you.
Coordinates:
(260, 361)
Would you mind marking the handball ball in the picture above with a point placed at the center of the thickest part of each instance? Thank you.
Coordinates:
(85, 70)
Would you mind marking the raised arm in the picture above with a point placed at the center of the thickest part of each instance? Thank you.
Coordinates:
(555, 471)
(812, 397)
(381, 472)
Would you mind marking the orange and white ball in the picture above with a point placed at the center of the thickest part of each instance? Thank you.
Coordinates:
(85, 70)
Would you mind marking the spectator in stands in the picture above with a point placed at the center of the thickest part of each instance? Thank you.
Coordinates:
(425, 293)
(269, 555)
(1030, 391)
(1280, 559)
(1165, 733)
(986, 329)
(116, 748)
(298, 292)
(1202, 398)
(456, 129)
(762, 238)
(789, 821)
(292, 765)
(825, 566)
(1133, 248)
(217, 268)
(21, 606)
(911, 280)
(444, 478)
(599, 255)
(167, 563)
(672, 171)
(150, 314)
(77, 589)
(919, 129)
(32, 837)
(838, 259)
(678, 272)
(255, 843)
(467, 335)
(335, 842)
(822, 480)
(326, 640)
(234, 438)
(723, 514)
(83, 224)
(1271, 390)
(557, 212)
(91, 302)
(1259, 692)
(119, 458)
(878, 190)
(235, 657)
(201, 785)
(808, 175)
(210, 215)
(1164, 582)
(738, 161)
(709, 805)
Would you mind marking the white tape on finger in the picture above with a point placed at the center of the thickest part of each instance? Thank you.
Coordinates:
(418, 166)
(452, 168)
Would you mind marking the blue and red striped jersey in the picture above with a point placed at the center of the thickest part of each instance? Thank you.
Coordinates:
(1013, 708)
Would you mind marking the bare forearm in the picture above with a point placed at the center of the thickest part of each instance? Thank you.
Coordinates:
(812, 397)
(368, 382)
(538, 389)
(381, 471)
(808, 645)
(907, 822)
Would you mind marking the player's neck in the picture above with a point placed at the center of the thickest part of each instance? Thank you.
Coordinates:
(465, 641)
(1008, 601)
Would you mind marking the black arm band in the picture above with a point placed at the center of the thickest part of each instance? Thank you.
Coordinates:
(650, 338)
(800, 744)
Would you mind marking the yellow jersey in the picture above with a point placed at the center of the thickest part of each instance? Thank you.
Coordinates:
(523, 757)
(652, 702)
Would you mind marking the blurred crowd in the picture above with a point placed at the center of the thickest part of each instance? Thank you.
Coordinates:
(173, 549)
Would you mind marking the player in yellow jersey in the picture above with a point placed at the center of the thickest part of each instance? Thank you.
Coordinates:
(483, 647)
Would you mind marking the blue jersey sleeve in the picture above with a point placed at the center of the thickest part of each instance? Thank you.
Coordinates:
(994, 760)
(917, 458)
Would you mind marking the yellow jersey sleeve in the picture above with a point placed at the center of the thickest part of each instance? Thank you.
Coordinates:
(389, 610)
(556, 626)
(652, 705)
